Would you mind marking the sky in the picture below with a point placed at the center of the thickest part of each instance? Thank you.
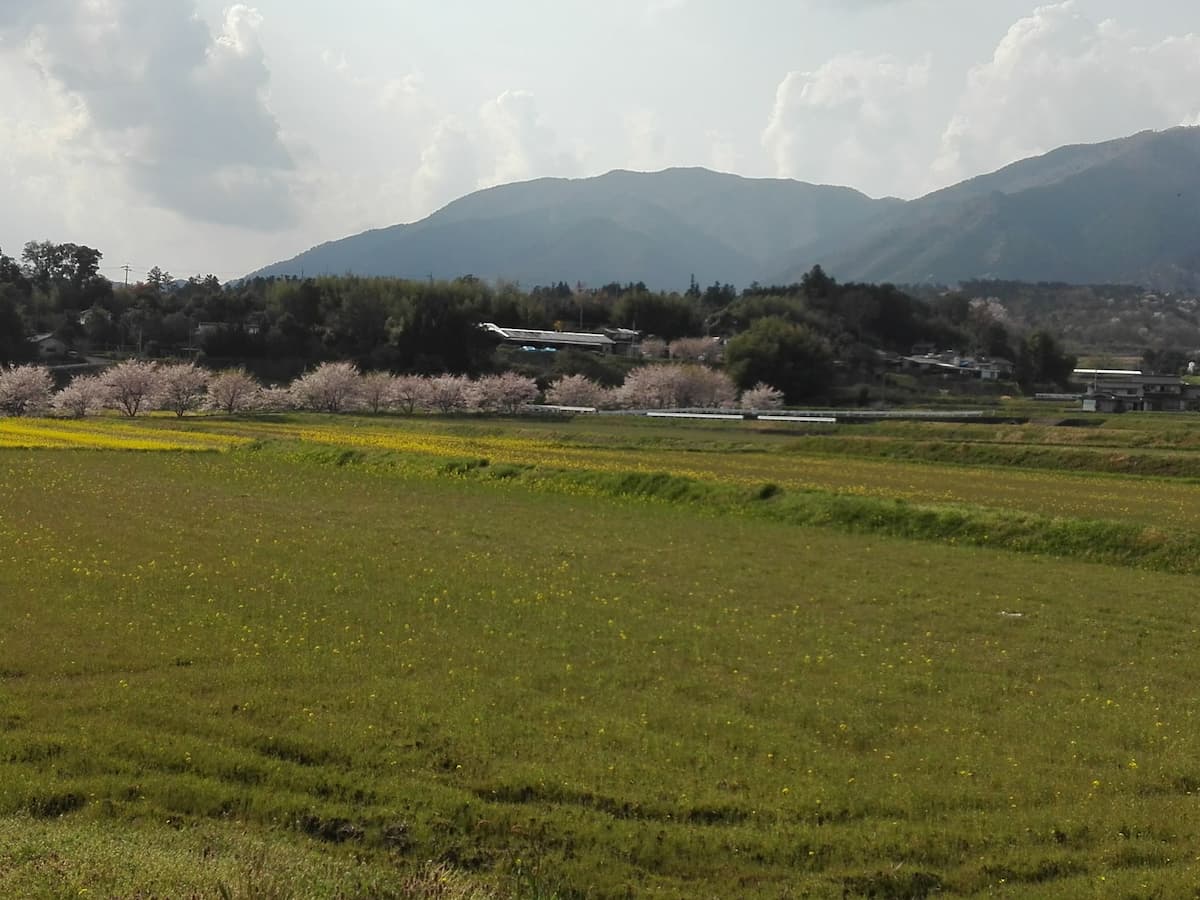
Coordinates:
(205, 137)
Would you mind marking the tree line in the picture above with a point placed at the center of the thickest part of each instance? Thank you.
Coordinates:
(134, 387)
(285, 326)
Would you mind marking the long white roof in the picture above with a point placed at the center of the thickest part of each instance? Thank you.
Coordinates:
(533, 336)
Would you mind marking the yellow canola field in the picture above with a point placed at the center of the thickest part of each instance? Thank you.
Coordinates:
(106, 434)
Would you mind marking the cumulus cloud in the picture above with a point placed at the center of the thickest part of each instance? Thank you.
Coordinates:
(847, 121)
(1058, 77)
(522, 144)
(449, 166)
(177, 110)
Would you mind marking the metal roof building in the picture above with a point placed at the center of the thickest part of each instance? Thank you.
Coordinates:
(552, 340)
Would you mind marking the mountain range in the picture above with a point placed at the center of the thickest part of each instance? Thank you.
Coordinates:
(1124, 211)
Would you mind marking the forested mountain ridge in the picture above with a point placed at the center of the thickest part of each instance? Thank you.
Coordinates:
(1125, 211)
(658, 228)
(1121, 211)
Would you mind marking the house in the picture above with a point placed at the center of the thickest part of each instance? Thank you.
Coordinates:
(995, 369)
(946, 363)
(533, 339)
(1129, 390)
(50, 347)
(626, 341)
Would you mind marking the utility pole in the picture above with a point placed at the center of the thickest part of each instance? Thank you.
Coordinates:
(127, 269)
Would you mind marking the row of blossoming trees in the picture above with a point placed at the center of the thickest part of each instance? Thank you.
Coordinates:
(134, 387)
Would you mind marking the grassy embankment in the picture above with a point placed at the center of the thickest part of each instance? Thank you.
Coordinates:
(308, 666)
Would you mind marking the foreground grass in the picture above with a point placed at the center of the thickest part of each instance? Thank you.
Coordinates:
(354, 670)
(88, 858)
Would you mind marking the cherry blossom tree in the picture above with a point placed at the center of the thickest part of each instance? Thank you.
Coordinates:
(654, 348)
(649, 387)
(662, 386)
(131, 386)
(276, 399)
(695, 350)
(332, 387)
(448, 392)
(576, 390)
(379, 391)
(181, 388)
(700, 386)
(506, 392)
(25, 390)
(762, 396)
(232, 391)
(411, 393)
(83, 395)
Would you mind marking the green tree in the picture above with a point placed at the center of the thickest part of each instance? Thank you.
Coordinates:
(791, 357)
(13, 345)
(1043, 361)
(668, 316)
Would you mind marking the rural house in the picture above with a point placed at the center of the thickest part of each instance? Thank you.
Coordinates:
(1129, 390)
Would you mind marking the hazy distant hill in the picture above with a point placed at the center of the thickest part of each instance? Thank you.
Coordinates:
(660, 228)
(1121, 211)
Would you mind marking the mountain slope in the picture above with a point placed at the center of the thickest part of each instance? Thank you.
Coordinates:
(1121, 211)
(660, 228)
(1125, 211)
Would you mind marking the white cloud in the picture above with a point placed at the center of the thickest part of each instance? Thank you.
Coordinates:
(178, 111)
(1057, 78)
(520, 144)
(851, 121)
(648, 146)
(723, 152)
(449, 167)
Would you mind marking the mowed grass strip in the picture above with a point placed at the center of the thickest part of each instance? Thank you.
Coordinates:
(579, 695)
(742, 457)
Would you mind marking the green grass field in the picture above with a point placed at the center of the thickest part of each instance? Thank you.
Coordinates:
(311, 657)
